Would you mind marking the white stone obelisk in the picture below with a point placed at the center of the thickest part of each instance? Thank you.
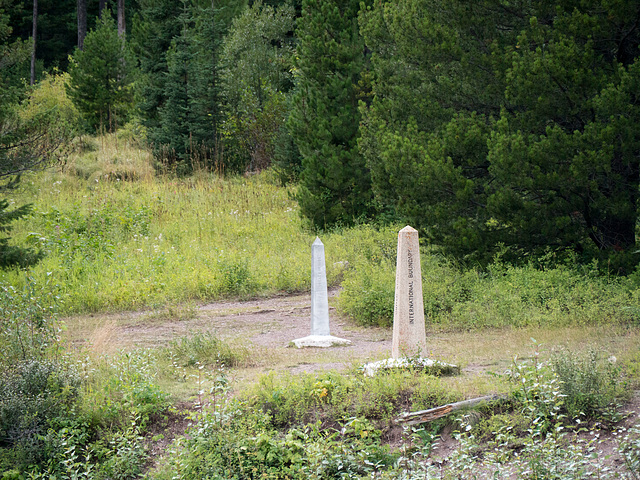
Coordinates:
(319, 295)
(320, 336)
(409, 335)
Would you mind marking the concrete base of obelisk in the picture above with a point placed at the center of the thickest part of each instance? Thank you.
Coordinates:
(322, 341)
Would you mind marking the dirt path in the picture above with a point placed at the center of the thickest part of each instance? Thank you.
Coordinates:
(265, 326)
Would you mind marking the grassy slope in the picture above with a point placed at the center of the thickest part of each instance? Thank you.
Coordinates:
(114, 244)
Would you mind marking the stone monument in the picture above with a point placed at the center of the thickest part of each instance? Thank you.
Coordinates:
(409, 337)
(320, 336)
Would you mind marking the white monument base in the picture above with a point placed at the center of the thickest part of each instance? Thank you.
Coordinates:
(434, 367)
(322, 341)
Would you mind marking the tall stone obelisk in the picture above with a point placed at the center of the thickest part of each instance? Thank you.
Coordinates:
(320, 336)
(409, 335)
(319, 294)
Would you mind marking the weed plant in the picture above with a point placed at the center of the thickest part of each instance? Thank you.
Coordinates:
(534, 440)
(238, 442)
(63, 416)
(28, 323)
(198, 348)
(591, 384)
(120, 389)
(630, 449)
(33, 394)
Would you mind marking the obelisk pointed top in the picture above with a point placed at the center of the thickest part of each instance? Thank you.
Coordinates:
(317, 241)
(408, 229)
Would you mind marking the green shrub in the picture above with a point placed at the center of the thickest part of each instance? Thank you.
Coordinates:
(501, 296)
(49, 102)
(134, 133)
(28, 323)
(236, 278)
(238, 442)
(368, 292)
(296, 400)
(330, 398)
(34, 395)
(590, 383)
(122, 389)
(121, 455)
(198, 348)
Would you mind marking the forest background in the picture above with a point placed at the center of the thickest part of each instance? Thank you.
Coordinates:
(490, 127)
(192, 139)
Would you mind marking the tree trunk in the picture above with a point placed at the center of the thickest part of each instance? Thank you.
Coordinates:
(122, 27)
(35, 36)
(82, 22)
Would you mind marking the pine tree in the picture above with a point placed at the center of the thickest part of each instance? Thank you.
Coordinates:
(204, 98)
(156, 25)
(172, 140)
(101, 77)
(334, 182)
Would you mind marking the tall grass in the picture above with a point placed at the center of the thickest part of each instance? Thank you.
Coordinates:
(118, 237)
(502, 296)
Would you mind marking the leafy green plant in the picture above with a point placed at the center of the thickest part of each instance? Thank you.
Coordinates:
(590, 383)
(236, 278)
(34, 395)
(537, 395)
(204, 349)
(28, 322)
(122, 389)
(498, 296)
(330, 397)
(368, 289)
(121, 455)
(630, 450)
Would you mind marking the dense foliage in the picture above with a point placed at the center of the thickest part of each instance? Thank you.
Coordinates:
(256, 76)
(334, 181)
(30, 137)
(507, 123)
(497, 126)
(189, 116)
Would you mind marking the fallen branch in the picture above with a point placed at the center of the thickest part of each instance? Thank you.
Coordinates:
(414, 418)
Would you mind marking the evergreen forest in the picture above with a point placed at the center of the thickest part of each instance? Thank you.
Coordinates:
(165, 166)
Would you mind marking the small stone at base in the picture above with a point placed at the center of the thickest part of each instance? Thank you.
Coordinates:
(322, 341)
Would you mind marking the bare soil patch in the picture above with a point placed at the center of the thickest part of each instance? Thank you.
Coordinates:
(268, 325)
(265, 326)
